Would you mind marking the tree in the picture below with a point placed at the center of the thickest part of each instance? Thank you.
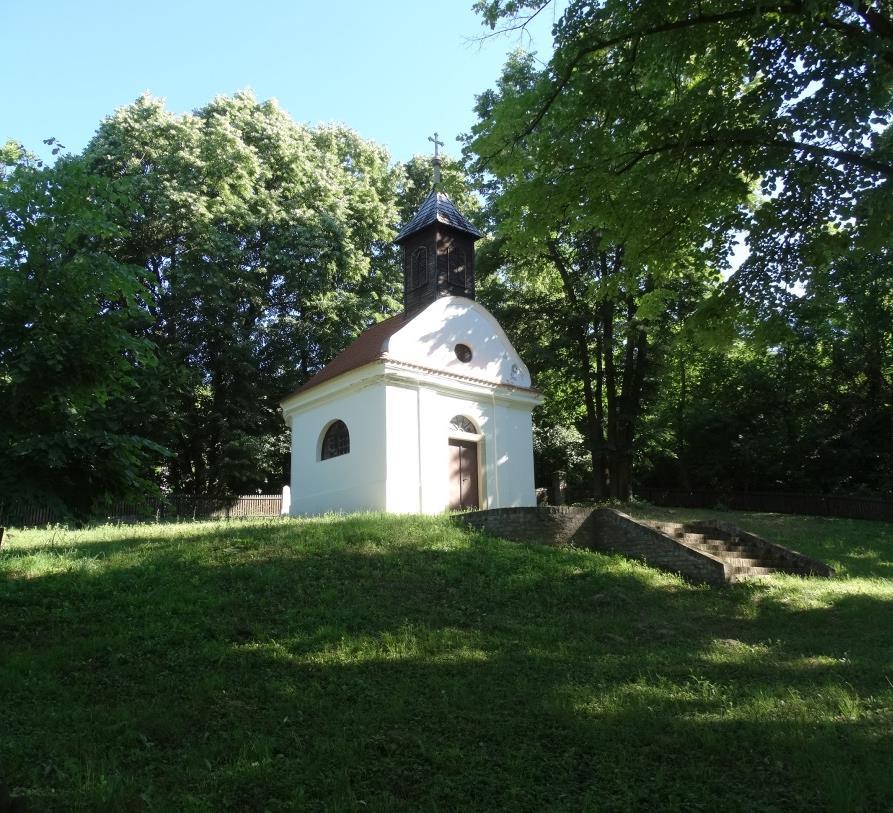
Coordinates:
(264, 249)
(610, 286)
(655, 132)
(793, 98)
(71, 315)
(802, 402)
(202, 266)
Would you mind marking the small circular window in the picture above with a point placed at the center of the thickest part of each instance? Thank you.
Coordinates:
(463, 352)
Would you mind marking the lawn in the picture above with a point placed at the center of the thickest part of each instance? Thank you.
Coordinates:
(386, 663)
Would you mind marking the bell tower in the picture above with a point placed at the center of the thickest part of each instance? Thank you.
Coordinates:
(438, 249)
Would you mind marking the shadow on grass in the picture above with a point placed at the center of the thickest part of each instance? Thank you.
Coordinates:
(338, 666)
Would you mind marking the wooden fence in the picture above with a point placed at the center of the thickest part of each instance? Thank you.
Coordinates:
(25, 513)
(823, 505)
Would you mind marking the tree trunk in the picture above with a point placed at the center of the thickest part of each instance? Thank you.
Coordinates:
(626, 406)
(606, 312)
(681, 405)
(580, 325)
(598, 460)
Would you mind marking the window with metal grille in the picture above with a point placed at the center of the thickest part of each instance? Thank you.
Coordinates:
(336, 441)
(459, 423)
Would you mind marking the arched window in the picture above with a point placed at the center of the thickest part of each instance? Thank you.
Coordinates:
(419, 271)
(336, 441)
(456, 266)
(459, 423)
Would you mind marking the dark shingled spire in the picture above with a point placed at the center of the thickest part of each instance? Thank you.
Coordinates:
(437, 208)
(438, 249)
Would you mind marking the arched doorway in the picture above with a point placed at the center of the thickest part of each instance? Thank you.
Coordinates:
(464, 464)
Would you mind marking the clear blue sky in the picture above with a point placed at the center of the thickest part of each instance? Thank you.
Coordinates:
(394, 70)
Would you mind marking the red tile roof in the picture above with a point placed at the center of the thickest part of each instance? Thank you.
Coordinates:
(367, 347)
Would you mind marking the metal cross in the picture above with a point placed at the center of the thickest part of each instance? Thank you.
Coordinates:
(436, 143)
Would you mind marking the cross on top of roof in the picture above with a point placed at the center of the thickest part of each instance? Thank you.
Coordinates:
(435, 161)
(436, 143)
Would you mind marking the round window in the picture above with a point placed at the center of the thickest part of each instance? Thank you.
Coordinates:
(463, 352)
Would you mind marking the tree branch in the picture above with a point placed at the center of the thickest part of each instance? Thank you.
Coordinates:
(877, 24)
(669, 25)
(724, 139)
(519, 23)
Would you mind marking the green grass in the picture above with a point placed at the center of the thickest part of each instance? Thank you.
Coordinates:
(852, 547)
(383, 663)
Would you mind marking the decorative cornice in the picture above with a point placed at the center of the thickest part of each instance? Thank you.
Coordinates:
(390, 370)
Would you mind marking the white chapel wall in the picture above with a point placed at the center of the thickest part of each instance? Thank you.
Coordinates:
(430, 338)
(513, 455)
(418, 417)
(350, 482)
(403, 432)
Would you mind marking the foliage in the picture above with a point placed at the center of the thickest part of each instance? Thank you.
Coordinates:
(812, 410)
(263, 249)
(399, 663)
(606, 288)
(654, 133)
(71, 353)
(795, 97)
(247, 250)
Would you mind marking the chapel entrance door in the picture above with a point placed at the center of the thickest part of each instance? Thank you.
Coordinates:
(463, 474)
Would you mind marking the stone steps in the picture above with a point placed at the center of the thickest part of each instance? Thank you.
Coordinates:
(738, 552)
(704, 552)
(711, 546)
(745, 573)
(740, 561)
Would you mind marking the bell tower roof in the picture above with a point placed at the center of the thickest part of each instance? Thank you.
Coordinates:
(437, 246)
(437, 208)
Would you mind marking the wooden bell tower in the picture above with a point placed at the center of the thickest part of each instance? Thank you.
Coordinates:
(438, 250)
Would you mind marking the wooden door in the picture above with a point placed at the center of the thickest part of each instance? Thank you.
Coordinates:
(463, 474)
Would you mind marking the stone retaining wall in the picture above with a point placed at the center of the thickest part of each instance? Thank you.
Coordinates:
(616, 532)
(547, 525)
(602, 529)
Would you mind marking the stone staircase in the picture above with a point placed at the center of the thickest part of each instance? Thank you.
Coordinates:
(709, 551)
(743, 555)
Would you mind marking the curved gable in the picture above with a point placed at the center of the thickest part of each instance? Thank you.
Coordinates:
(429, 340)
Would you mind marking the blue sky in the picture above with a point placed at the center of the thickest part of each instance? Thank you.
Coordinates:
(393, 70)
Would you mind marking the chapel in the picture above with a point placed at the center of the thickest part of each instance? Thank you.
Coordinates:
(429, 410)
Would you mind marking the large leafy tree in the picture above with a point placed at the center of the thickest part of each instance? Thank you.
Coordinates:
(262, 246)
(72, 349)
(165, 289)
(792, 97)
(610, 286)
(655, 131)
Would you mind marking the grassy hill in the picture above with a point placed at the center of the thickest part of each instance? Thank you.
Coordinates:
(382, 663)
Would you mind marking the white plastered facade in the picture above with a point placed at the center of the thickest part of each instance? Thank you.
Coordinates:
(398, 411)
